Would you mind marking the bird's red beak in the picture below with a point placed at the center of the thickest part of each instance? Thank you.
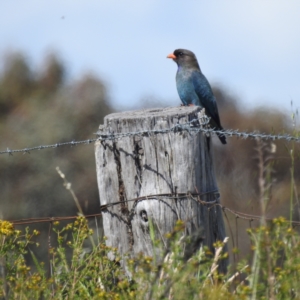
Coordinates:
(171, 56)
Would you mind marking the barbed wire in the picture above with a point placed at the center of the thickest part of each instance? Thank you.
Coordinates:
(191, 127)
(179, 196)
(42, 147)
(211, 205)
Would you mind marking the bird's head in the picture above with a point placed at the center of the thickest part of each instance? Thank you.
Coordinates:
(184, 58)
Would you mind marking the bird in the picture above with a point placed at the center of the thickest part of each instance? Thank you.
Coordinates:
(193, 87)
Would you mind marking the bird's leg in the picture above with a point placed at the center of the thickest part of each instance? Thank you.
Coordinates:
(191, 104)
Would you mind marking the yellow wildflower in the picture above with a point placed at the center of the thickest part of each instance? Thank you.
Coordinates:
(6, 228)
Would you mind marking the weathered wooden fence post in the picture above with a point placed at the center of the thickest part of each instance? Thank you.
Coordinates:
(162, 169)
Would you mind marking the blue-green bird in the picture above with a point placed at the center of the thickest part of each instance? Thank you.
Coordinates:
(194, 89)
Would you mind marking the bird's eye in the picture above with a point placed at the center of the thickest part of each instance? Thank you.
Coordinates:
(180, 54)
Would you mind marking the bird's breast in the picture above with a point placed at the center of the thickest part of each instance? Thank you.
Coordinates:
(186, 89)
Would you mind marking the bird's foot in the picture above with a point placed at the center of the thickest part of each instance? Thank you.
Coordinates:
(187, 104)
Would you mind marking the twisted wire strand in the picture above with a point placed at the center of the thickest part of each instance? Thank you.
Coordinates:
(192, 127)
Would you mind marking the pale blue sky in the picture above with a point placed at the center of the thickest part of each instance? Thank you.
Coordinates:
(250, 47)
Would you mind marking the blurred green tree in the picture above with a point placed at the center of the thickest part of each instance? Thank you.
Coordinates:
(37, 108)
(53, 74)
(16, 82)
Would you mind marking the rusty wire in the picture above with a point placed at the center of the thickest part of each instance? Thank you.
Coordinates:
(182, 196)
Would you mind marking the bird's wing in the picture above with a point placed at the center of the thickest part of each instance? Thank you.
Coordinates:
(206, 96)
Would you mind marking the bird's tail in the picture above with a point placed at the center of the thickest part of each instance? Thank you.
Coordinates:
(222, 138)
